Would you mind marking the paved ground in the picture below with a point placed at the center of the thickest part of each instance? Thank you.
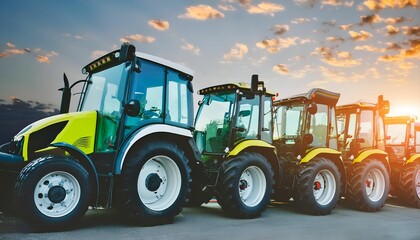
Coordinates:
(279, 221)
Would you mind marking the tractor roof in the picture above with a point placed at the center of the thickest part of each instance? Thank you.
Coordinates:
(316, 95)
(229, 87)
(400, 119)
(112, 59)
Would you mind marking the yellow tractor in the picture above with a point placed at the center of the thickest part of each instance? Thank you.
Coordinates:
(305, 137)
(361, 141)
(403, 147)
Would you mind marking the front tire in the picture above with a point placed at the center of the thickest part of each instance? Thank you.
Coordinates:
(318, 186)
(155, 183)
(410, 185)
(52, 193)
(368, 185)
(245, 186)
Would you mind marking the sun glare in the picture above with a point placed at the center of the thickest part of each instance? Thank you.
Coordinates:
(405, 111)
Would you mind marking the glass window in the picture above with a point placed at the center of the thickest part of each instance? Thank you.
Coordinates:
(365, 133)
(288, 123)
(247, 119)
(105, 94)
(417, 136)
(179, 100)
(319, 126)
(213, 122)
(267, 120)
(147, 87)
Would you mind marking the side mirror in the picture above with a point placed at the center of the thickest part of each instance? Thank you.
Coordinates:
(132, 108)
(312, 108)
(127, 52)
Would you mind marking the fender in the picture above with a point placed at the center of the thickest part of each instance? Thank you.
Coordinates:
(248, 143)
(367, 153)
(413, 158)
(143, 132)
(315, 152)
(83, 158)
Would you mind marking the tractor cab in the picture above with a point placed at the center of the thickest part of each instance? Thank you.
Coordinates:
(231, 113)
(361, 127)
(402, 137)
(304, 122)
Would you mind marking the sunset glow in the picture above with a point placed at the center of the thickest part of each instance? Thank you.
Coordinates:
(358, 48)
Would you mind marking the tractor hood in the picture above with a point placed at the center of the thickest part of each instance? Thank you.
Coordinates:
(76, 128)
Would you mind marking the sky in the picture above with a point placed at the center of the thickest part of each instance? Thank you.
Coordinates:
(360, 49)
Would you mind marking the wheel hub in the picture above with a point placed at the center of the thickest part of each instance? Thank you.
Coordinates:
(57, 194)
(243, 184)
(153, 182)
(317, 185)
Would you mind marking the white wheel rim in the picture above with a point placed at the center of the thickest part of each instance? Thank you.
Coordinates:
(324, 187)
(375, 185)
(57, 194)
(159, 183)
(252, 186)
(417, 183)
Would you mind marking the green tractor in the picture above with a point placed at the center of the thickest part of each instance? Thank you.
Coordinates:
(305, 136)
(403, 147)
(233, 134)
(127, 146)
(362, 143)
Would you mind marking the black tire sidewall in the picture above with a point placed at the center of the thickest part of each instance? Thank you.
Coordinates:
(243, 161)
(320, 164)
(30, 177)
(132, 205)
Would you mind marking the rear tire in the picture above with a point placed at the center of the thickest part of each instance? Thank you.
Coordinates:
(410, 185)
(245, 186)
(368, 185)
(52, 193)
(318, 186)
(155, 182)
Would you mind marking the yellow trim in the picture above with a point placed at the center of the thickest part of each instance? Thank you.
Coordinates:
(248, 143)
(367, 153)
(412, 158)
(313, 153)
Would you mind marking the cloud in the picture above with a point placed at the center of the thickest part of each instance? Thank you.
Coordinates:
(73, 36)
(276, 44)
(300, 20)
(137, 38)
(42, 57)
(391, 30)
(370, 19)
(393, 46)
(11, 114)
(306, 3)
(360, 36)
(412, 31)
(376, 5)
(336, 59)
(337, 3)
(226, 7)
(394, 20)
(281, 68)
(266, 8)
(236, 53)
(412, 52)
(345, 26)
(202, 13)
(335, 39)
(46, 57)
(369, 48)
(160, 25)
(280, 29)
(337, 76)
(189, 47)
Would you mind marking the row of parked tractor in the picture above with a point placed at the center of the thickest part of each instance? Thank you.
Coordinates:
(134, 144)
